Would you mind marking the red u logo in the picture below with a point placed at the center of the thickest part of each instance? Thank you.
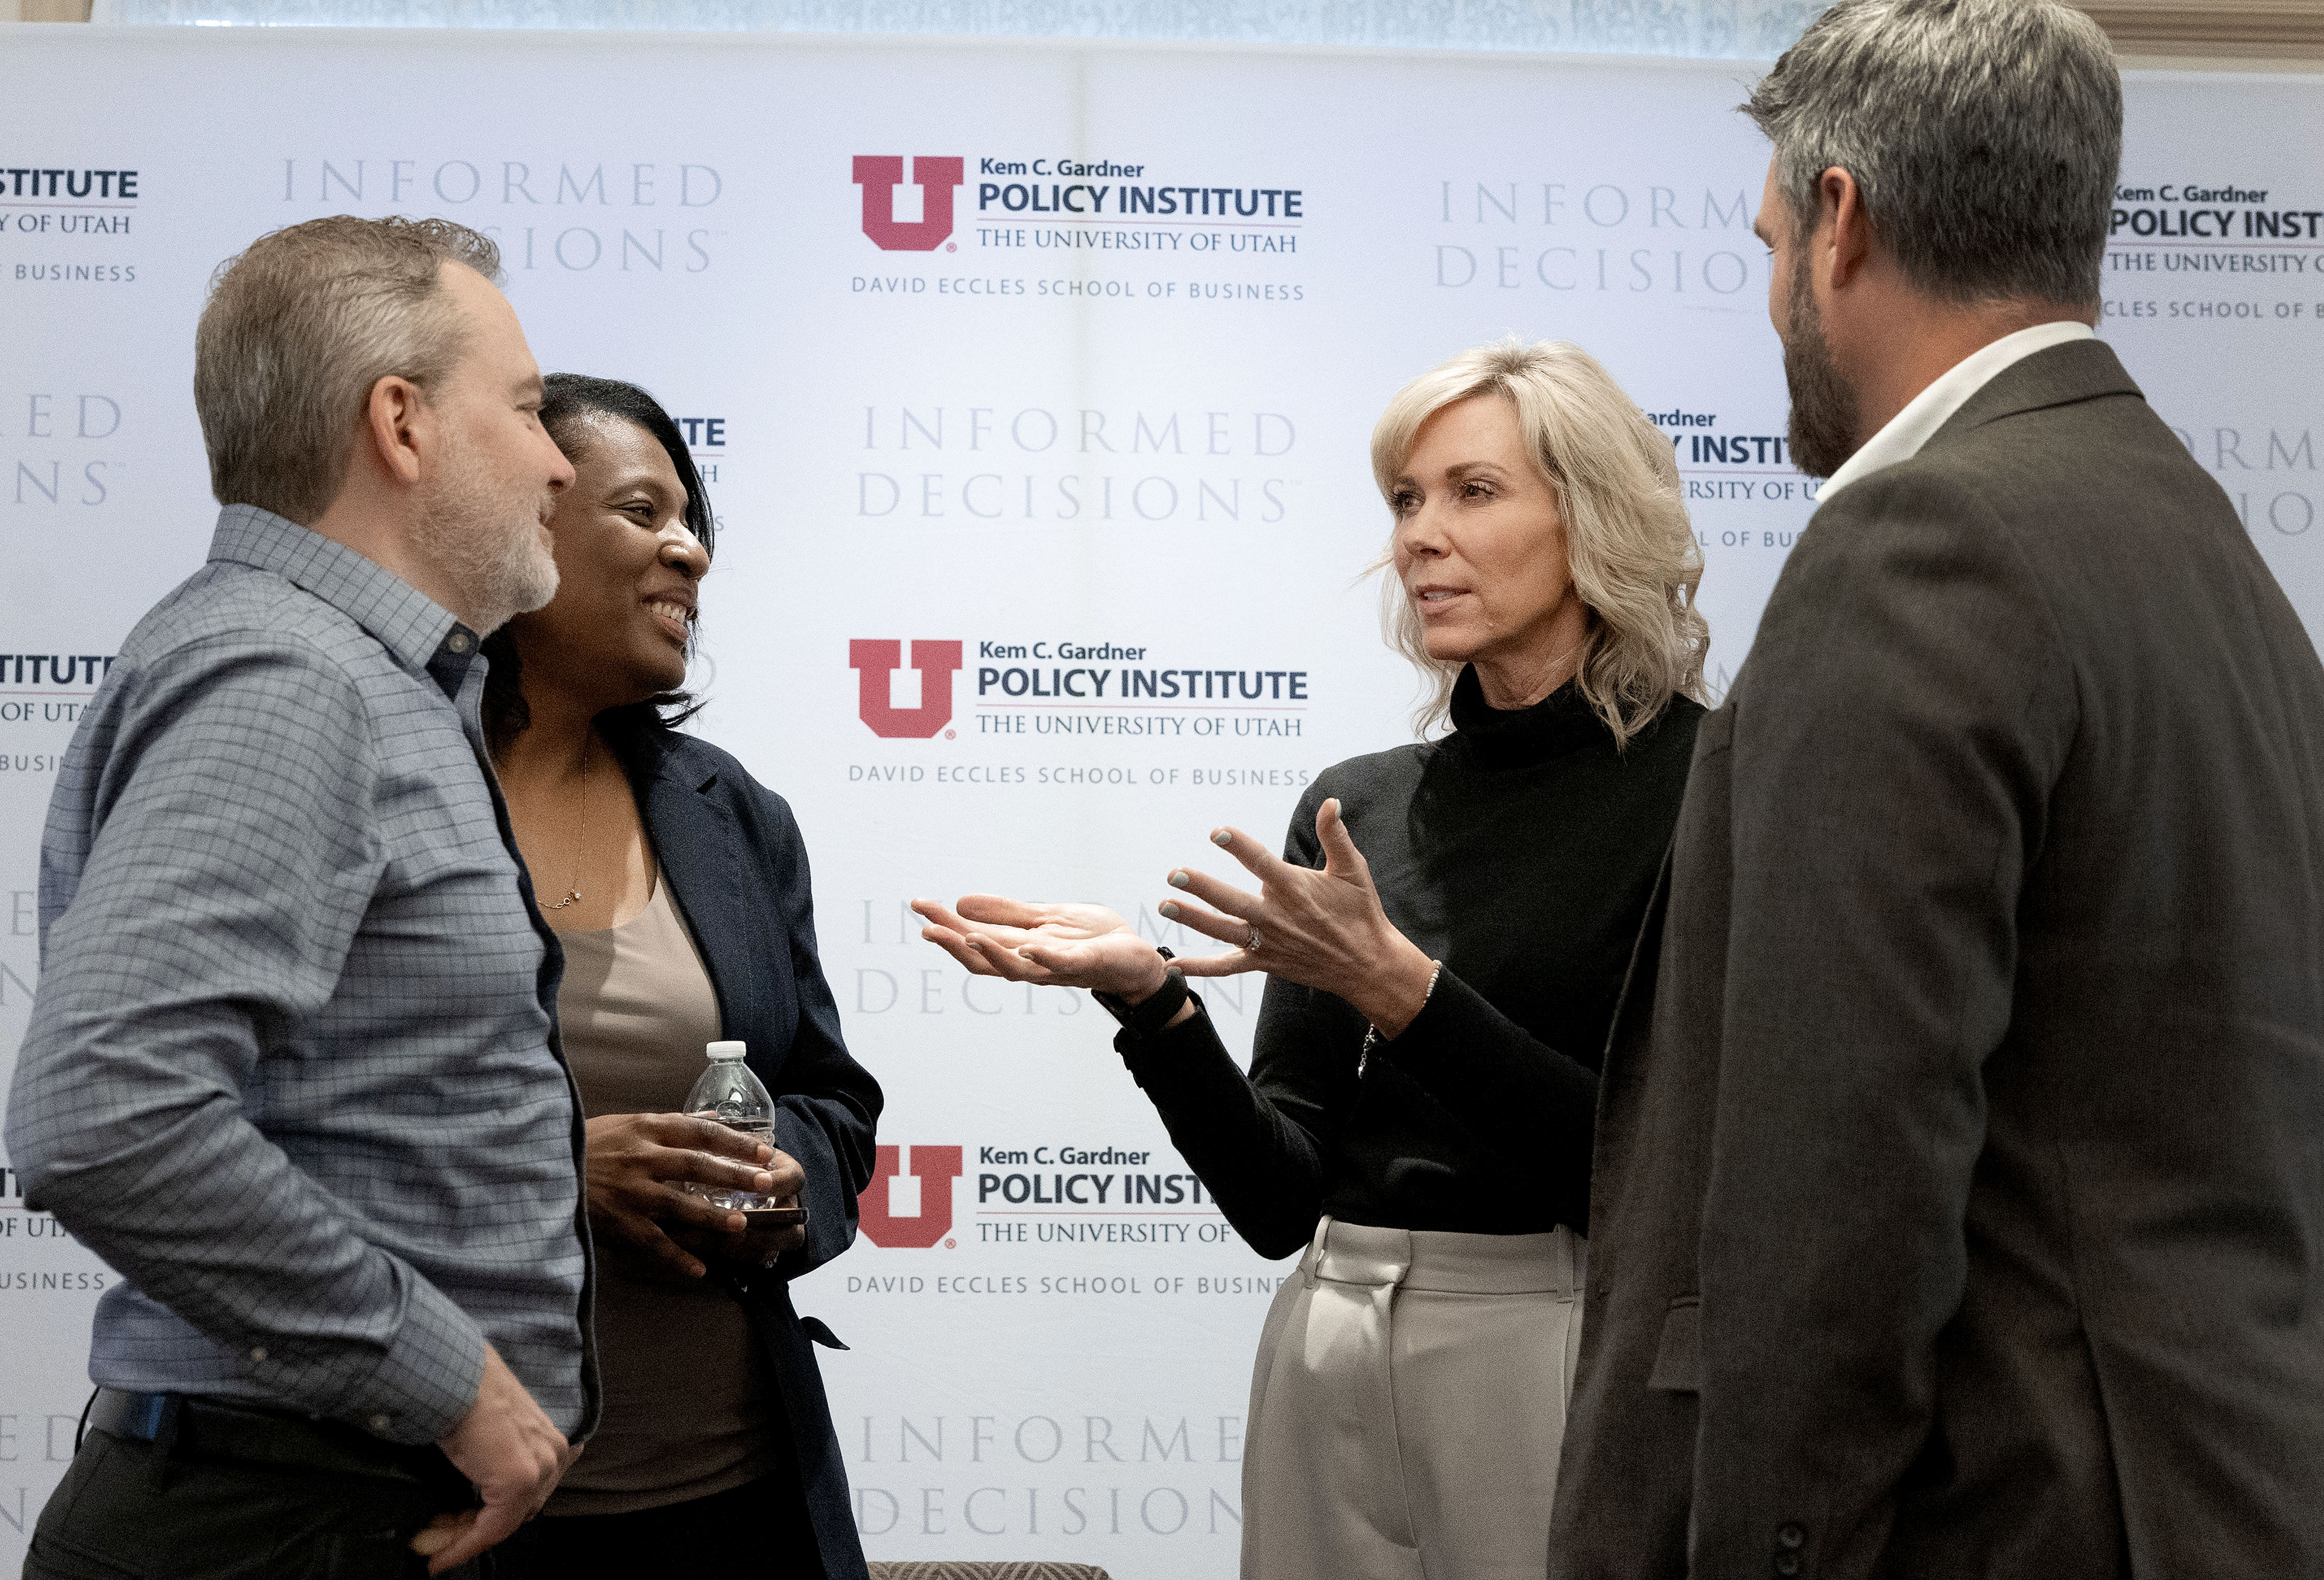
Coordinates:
(880, 174)
(934, 1168)
(874, 662)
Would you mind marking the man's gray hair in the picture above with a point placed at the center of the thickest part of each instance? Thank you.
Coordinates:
(1984, 136)
(296, 332)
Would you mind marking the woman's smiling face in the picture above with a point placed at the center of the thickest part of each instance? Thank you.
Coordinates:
(627, 565)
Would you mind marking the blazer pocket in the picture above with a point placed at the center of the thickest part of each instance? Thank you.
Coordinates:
(816, 1329)
(1678, 1359)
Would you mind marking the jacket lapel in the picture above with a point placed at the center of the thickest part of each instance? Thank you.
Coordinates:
(695, 840)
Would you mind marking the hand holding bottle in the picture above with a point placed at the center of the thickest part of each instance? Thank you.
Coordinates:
(732, 1096)
(644, 1170)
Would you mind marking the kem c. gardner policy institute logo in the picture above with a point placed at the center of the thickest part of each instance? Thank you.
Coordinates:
(936, 176)
(875, 662)
(909, 1212)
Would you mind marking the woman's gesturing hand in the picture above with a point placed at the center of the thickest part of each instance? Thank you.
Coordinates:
(638, 1165)
(1322, 929)
(1058, 945)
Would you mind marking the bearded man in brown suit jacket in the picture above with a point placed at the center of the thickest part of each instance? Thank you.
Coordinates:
(1958, 1206)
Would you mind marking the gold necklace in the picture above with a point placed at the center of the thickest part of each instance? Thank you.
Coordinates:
(573, 891)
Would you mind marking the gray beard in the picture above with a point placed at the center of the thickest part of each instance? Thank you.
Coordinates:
(486, 547)
(1824, 404)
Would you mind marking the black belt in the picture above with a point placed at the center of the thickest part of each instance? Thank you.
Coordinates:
(211, 1428)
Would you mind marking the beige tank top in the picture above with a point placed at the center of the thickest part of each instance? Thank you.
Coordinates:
(690, 1407)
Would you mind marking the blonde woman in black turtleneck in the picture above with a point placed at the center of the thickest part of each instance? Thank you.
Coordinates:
(1445, 938)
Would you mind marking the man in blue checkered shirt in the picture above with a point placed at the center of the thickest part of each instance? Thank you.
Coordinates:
(293, 1068)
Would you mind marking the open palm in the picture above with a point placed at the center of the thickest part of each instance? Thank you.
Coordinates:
(1056, 945)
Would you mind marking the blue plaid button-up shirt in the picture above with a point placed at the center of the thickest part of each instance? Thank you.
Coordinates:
(292, 1065)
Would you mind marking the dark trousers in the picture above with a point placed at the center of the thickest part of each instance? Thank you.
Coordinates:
(119, 1515)
(760, 1527)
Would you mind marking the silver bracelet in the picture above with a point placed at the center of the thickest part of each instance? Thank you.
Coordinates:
(1371, 1033)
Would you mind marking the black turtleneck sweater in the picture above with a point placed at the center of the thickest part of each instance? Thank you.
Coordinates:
(1520, 850)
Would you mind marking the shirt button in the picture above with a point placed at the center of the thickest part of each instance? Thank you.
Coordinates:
(259, 1354)
(1787, 1564)
(457, 642)
(380, 1423)
(1792, 1534)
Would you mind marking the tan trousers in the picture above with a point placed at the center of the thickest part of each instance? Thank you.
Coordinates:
(1407, 1405)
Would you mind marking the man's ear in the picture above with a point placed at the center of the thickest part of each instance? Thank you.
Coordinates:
(1843, 241)
(396, 427)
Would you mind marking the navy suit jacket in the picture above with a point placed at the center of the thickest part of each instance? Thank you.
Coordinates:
(737, 871)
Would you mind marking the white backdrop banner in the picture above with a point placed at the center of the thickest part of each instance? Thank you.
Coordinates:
(1032, 384)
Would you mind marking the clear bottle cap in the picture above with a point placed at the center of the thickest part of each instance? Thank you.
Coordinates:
(726, 1050)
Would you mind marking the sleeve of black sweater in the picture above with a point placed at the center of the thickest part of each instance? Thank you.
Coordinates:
(1528, 1105)
(1260, 1142)
(1259, 1145)
(1260, 1151)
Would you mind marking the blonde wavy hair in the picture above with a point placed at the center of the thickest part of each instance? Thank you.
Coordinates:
(1629, 544)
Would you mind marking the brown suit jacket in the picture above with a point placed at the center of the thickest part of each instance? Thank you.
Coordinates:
(1959, 1202)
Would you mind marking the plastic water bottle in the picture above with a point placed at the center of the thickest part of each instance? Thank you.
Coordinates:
(730, 1093)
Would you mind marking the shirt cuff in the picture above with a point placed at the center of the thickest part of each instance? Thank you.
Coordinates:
(431, 1375)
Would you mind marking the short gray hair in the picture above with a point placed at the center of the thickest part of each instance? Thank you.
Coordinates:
(298, 330)
(1983, 134)
(1629, 544)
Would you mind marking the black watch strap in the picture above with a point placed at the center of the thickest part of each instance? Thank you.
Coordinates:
(1146, 1018)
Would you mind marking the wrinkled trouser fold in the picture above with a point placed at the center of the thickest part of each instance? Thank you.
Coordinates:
(1407, 1405)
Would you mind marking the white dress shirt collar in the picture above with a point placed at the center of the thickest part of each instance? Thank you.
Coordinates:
(1930, 409)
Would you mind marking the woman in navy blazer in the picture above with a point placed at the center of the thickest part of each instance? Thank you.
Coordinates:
(679, 888)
